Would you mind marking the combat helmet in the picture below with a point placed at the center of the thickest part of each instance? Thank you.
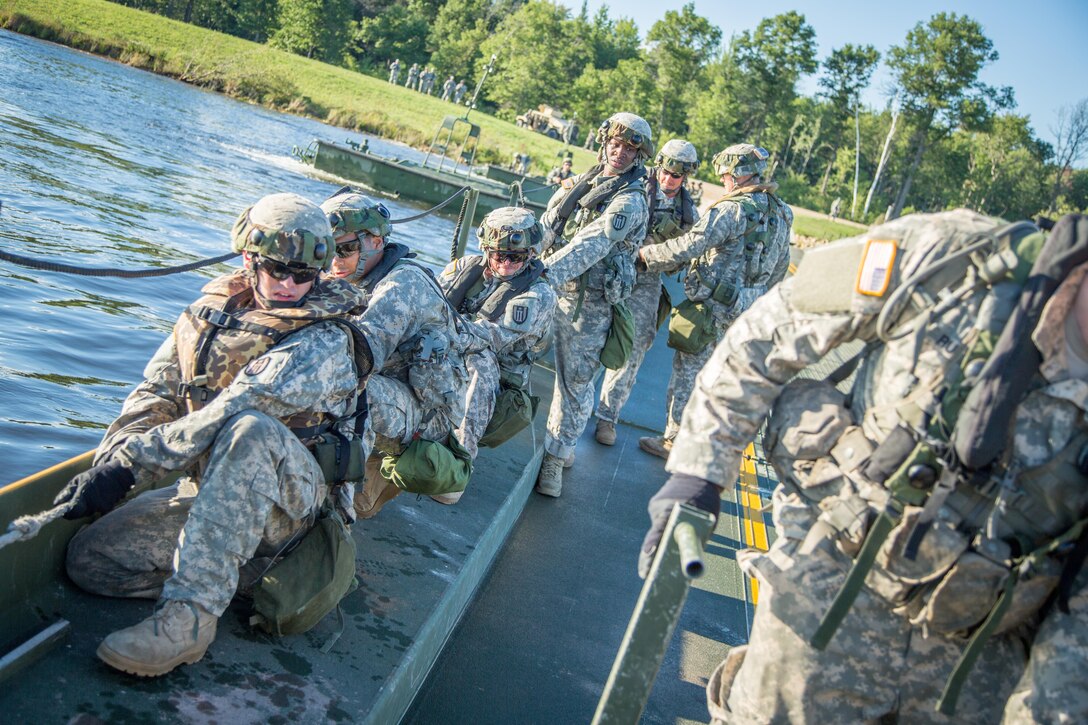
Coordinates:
(742, 159)
(353, 213)
(286, 228)
(509, 229)
(678, 156)
(632, 129)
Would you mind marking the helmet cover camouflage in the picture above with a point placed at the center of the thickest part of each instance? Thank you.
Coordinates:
(286, 228)
(742, 159)
(352, 213)
(678, 156)
(630, 128)
(509, 229)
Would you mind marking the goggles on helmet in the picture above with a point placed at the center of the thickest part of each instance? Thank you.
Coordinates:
(261, 242)
(280, 271)
(628, 135)
(373, 219)
(677, 168)
(493, 236)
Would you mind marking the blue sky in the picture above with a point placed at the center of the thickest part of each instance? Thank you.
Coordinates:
(1043, 49)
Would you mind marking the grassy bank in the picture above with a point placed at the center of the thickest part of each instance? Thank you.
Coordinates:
(266, 76)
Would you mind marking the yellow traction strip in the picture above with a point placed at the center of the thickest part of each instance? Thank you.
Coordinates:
(751, 510)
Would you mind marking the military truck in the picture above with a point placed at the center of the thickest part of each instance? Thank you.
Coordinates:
(550, 122)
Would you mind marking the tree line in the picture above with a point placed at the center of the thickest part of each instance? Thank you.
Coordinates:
(945, 139)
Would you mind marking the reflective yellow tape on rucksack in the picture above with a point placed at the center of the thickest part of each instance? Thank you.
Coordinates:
(875, 272)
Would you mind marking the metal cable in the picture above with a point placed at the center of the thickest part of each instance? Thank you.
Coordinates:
(432, 210)
(110, 271)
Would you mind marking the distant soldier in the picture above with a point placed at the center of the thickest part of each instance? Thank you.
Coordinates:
(459, 92)
(413, 77)
(696, 190)
(394, 70)
(835, 206)
(672, 213)
(738, 251)
(523, 166)
(592, 233)
(559, 173)
(447, 89)
(510, 304)
(426, 81)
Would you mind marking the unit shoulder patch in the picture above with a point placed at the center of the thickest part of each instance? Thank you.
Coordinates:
(519, 313)
(619, 221)
(256, 367)
(875, 270)
(567, 183)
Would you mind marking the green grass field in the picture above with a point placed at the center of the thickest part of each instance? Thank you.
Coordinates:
(266, 76)
(825, 229)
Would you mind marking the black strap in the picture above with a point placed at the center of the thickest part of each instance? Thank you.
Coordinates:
(1074, 562)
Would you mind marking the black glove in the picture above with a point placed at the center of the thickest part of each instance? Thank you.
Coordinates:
(680, 488)
(96, 490)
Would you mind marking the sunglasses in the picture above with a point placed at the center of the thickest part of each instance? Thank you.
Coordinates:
(673, 174)
(280, 271)
(509, 256)
(346, 249)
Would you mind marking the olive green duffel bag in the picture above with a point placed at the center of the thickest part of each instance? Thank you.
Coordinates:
(429, 468)
(692, 327)
(621, 338)
(514, 411)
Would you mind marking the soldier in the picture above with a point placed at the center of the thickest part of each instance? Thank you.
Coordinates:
(236, 411)
(427, 81)
(447, 89)
(413, 77)
(420, 383)
(511, 305)
(956, 459)
(592, 233)
(672, 213)
(394, 70)
(459, 92)
(738, 251)
(561, 173)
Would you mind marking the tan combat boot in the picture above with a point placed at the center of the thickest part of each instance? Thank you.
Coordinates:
(568, 461)
(550, 480)
(177, 634)
(376, 491)
(606, 432)
(656, 445)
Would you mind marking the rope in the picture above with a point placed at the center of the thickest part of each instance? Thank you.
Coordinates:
(432, 210)
(110, 271)
(455, 247)
(27, 527)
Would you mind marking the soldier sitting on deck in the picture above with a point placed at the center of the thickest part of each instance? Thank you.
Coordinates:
(255, 371)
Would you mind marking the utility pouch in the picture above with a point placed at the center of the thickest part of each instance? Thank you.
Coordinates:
(965, 596)
(514, 411)
(308, 583)
(429, 468)
(664, 307)
(726, 293)
(340, 458)
(691, 328)
(621, 337)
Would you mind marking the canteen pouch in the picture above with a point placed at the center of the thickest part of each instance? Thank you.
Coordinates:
(308, 583)
(621, 337)
(514, 411)
(691, 328)
(664, 307)
(429, 468)
(340, 458)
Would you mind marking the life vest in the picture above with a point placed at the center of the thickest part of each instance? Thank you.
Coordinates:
(391, 254)
(222, 332)
(667, 223)
(592, 200)
(469, 274)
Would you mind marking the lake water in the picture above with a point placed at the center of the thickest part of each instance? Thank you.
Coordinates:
(102, 165)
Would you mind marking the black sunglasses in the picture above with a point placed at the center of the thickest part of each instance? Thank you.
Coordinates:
(672, 174)
(281, 271)
(510, 256)
(346, 249)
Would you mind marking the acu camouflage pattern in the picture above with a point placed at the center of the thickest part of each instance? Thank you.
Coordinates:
(253, 484)
(904, 634)
(601, 252)
(212, 355)
(665, 223)
(716, 256)
(510, 345)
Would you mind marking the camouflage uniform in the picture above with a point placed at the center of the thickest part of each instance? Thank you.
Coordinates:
(394, 71)
(513, 343)
(903, 635)
(447, 89)
(253, 486)
(459, 92)
(643, 303)
(413, 77)
(419, 349)
(716, 250)
(591, 272)
(426, 81)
